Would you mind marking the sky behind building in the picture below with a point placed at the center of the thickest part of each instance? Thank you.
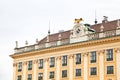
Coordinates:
(22, 20)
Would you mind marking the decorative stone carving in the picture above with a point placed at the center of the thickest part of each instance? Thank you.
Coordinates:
(14, 64)
(117, 50)
(35, 61)
(25, 63)
(46, 59)
(58, 58)
(71, 56)
(86, 54)
(101, 52)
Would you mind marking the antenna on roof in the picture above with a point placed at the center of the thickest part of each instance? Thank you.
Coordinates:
(95, 18)
(49, 28)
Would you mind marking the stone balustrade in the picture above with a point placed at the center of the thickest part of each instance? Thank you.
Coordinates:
(92, 36)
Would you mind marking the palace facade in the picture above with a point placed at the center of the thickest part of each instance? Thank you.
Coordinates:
(87, 52)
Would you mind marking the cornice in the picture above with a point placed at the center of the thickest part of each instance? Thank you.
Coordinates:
(68, 47)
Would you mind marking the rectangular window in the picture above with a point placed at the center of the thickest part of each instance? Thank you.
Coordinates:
(19, 66)
(40, 65)
(64, 73)
(40, 76)
(52, 61)
(51, 74)
(29, 76)
(93, 71)
(110, 70)
(78, 72)
(78, 58)
(109, 54)
(64, 61)
(29, 65)
(19, 77)
(93, 57)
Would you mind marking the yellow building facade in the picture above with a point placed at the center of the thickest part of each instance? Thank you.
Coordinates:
(83, 53)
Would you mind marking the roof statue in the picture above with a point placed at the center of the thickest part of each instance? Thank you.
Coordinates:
(78, 20)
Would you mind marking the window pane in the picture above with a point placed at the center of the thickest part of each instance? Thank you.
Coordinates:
(78, 58)
(93, 71)
(78, 72)
(52, 74)
(64, 60)
(109, 54)
(40, 76)
(29, 76)
(19, 77)
(20, 66)
(40, 63)
(64, 73)
(110, 70)
(93, 56)
(30, 65)
(52, 62)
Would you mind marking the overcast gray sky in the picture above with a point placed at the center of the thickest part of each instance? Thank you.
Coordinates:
(22, 20)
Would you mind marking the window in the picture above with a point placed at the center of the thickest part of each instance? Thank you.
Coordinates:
(19, 77)
(93, 57)
(40, 76)
(40, 65)
(64, 60)
(64, 73)
(93, 71)
(78, 72)
(110, 70)
(30, 65)
(51, 74)
(52, 62)
(29, 76)
(109, 54)
(78, 58)
(19, 66)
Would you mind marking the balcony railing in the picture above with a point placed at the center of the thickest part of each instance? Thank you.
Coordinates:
(92, 36)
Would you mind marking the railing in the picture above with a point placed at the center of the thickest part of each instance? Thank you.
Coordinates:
(92, 36)
(104, 34)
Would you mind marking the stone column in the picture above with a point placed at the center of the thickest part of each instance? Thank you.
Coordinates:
(118, 63)
(101, 64)
(85, 66)
(71, 67)
(24, 70)
(35, 69)
(14, 71)
(57, 74)
(46, 68)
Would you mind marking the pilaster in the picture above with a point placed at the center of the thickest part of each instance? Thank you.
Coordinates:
(24, 70)
(71, 67)
(118, 63)
(46, 68)
(14, 71)
(101, 64)
(35, 69)
(58, 67)
(85, 66)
